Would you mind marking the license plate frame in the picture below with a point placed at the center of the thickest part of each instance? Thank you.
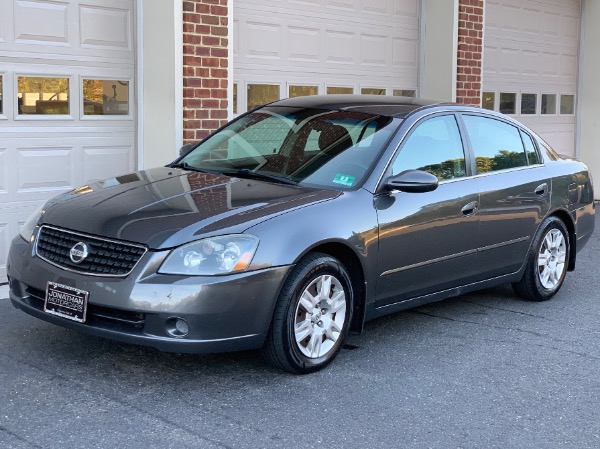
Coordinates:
(66, 302)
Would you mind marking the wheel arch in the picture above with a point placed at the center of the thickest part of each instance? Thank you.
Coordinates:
(351, 261)
(567, 219)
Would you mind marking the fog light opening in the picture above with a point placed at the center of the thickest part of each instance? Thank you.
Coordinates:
(177, 327)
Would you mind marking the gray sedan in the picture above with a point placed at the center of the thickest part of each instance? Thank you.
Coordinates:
(298, 222)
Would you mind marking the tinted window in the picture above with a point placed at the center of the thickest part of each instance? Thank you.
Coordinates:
(532, 155)
(434, 146)
(497, 145)
(311, 147)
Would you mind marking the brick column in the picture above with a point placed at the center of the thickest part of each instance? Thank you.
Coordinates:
(470, 51)
(205, 67)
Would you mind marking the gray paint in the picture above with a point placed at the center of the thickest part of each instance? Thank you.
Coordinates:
(412, 248)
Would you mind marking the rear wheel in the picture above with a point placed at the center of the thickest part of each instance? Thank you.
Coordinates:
(311, 317)
(547, 262)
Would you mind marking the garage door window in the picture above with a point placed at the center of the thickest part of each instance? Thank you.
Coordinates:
(567, 104)
(259, 94)
(508, 103)
(332, 90)
(528, 104)
(488, 100)
(548, 104)
(411, 93)
(235, 109)
(43, 96)
(497, 145)
(303, 91)
(372, 91)
(105, 97)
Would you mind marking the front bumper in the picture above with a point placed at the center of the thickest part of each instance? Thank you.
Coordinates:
(224, 313)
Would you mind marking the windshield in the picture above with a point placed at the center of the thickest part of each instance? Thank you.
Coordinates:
(311, 147)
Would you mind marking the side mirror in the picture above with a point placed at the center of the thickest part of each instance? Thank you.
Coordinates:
(187, 147)
(412, 181)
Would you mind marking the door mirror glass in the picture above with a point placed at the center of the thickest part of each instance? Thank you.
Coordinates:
(412, 181)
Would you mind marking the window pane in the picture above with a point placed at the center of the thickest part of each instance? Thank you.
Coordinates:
(497, 145)
(1, 93)
(259, 94)
(340, 90)
(508, 103)
(105, 97)
(435, 147)
(548, 104)
(405, 93)
(372, 91)
(235, 98)
(488, 100)
(532, 155)
(303, 91)
(567, 104)
(528, 103)
(37, 95)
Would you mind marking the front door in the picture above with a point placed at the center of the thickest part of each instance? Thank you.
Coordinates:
(427, 241)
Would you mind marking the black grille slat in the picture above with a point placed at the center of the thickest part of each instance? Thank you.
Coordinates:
(108, 258)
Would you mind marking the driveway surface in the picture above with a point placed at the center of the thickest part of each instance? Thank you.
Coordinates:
(484, 370)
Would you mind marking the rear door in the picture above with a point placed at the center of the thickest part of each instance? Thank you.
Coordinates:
(514, 192)
(427, 241)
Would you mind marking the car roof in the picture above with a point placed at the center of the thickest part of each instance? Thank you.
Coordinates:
(371, 104)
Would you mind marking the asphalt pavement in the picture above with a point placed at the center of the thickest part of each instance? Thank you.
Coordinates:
(484, 370)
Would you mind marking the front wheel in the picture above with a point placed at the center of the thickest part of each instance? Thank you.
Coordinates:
(547, 262)
(311, 317)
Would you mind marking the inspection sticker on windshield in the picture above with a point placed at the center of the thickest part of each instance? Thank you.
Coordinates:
(345, 180)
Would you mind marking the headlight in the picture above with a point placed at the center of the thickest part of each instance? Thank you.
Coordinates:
(31, 223)
(217, 255)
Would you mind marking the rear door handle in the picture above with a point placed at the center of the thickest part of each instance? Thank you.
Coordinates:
(541, 189)
(469, 209)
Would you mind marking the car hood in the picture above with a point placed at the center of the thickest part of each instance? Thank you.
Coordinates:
(166, 207)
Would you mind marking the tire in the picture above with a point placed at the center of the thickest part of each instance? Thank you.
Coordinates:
(547, 262)
(312, 316)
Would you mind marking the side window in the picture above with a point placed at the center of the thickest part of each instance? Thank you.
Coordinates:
(434, 146)
(497, 145)
(532, 154)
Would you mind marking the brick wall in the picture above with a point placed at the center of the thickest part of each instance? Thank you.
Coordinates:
(470, 51)
(205, 67)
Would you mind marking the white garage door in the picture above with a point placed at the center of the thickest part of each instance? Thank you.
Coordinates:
(66, 96)
(305, 47)
(530, 65)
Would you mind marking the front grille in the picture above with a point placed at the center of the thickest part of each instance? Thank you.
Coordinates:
(105, 258)
(116, 317)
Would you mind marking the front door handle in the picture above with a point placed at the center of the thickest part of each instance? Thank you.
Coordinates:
(541, 189)
(469, 209)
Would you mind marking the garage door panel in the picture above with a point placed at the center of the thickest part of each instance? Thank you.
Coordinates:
(105, 27)
(3, 21)
(531, 46)
(101, 162)
(328, 43)
(44, 169)
(3, 171)
(303, 44)
(42, 155)
(40, 21)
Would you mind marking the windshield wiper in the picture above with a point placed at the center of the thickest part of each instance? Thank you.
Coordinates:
(245, 173)
(186, 166)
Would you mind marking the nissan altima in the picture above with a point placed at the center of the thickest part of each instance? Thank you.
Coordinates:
(301, 220)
